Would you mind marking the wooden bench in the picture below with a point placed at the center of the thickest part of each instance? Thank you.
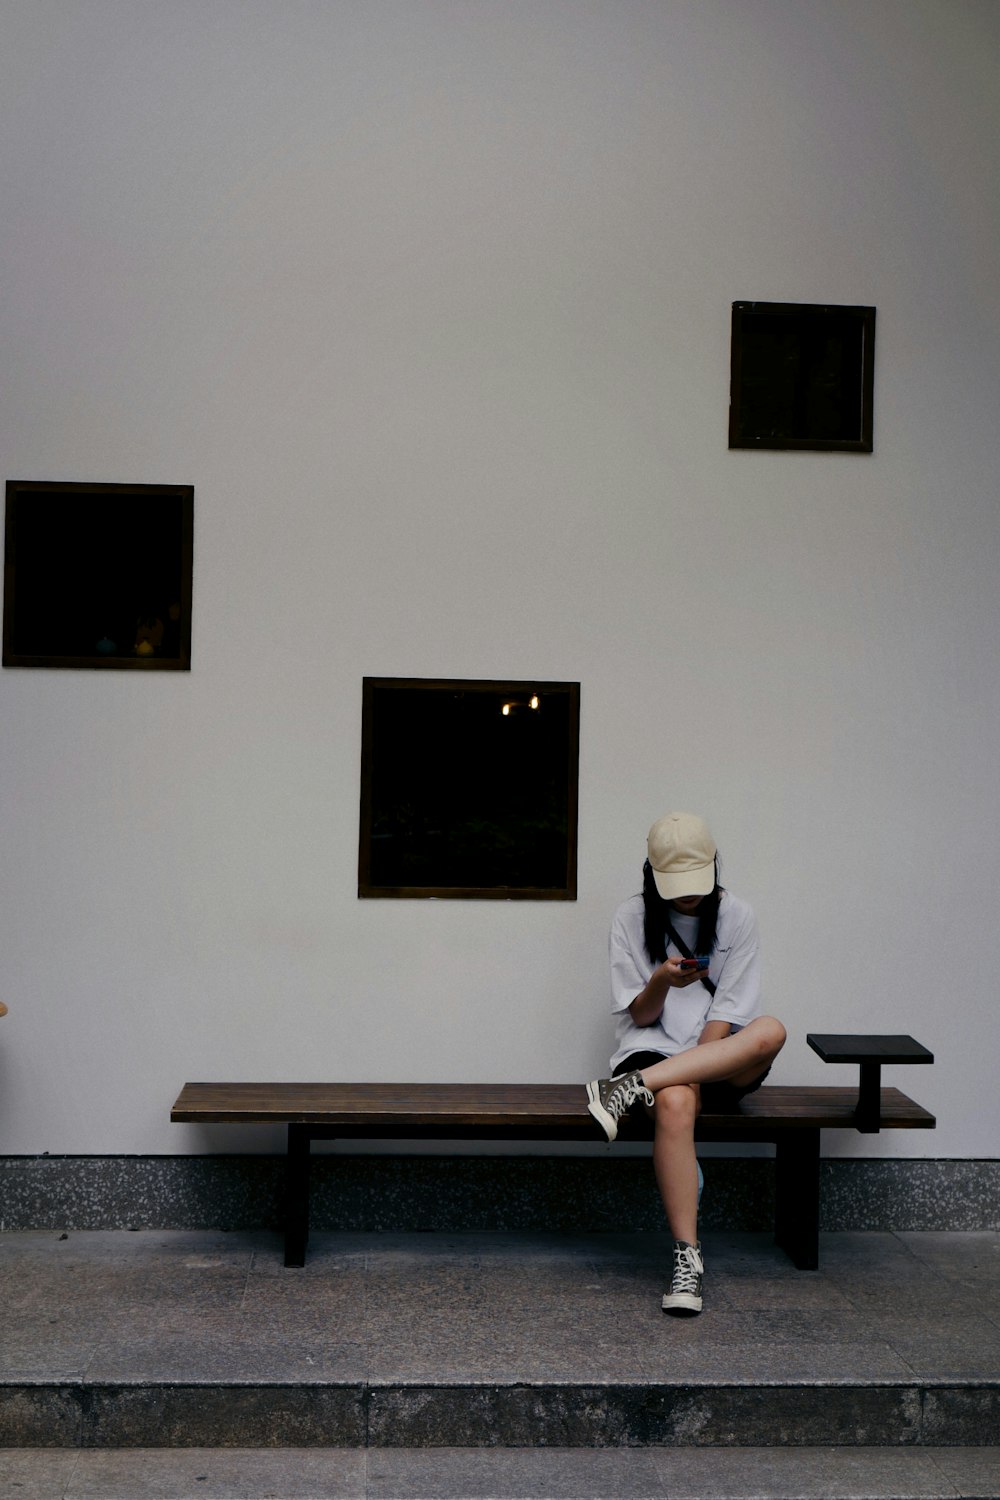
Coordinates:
(792, 1118)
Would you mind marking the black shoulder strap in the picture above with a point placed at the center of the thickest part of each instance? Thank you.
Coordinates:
(686, 951)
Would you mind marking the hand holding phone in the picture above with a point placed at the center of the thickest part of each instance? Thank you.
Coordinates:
(689, 965)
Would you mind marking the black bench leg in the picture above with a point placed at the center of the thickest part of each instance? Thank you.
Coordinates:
(796, 1200)
(870, 1098)
(297, 1195)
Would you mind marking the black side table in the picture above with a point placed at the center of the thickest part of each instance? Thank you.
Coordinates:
(871, 1052)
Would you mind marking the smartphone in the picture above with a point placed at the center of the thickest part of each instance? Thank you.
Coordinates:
(688, 964)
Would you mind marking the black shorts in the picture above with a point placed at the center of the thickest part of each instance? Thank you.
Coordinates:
(719, 1098)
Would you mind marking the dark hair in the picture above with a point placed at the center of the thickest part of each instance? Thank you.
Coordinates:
(657, 916)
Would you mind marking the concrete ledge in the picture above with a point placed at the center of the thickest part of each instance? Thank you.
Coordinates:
(519, 1414)
(462, 1193)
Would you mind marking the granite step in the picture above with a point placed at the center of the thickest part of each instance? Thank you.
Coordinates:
(504, 1474)
(475, 1414)
(201, 1339)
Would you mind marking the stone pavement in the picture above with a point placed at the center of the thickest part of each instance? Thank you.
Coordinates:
(178, 1363)
(503, 1474)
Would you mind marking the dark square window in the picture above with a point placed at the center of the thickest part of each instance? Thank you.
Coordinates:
(802, 376)
(469, 789)
(98, 575)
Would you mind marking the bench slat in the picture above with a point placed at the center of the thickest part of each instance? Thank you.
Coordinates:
(491, 1109)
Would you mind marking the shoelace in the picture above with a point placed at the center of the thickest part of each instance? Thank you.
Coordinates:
(625, 1095)
(687, 1269)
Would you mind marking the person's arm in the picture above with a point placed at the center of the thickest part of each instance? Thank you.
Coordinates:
(647, 1007)
(737, 995)
(715, 1031)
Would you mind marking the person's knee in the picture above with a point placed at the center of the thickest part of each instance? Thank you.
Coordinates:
(676, 1107)
(770, 1036)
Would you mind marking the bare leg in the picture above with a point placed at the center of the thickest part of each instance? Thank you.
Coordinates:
(674, 1159)
(740, 1058)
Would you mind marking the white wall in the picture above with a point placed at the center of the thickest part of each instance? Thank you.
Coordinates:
(430, 301)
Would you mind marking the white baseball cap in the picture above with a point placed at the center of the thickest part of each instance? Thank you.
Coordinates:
(682, 856)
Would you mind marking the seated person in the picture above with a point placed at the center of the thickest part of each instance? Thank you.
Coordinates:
(685, 990)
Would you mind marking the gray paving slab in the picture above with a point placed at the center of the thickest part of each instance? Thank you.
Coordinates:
(37, 1473)
(979, 1258)
(505, 1474)
(219, 1474)
(43, 1347)
(968, 1350)
(787, 1325)
(974, 1472)
(770, 1289)
(797, 1474)
(341, 1294)
(477, 1340)
(228, 1354)
(514, 1474)
(43, 1246)
(780, 1361)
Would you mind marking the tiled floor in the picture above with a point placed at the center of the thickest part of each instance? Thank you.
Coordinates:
(878, 1375)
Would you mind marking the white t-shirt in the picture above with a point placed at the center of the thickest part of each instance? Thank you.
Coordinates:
(734, 968)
